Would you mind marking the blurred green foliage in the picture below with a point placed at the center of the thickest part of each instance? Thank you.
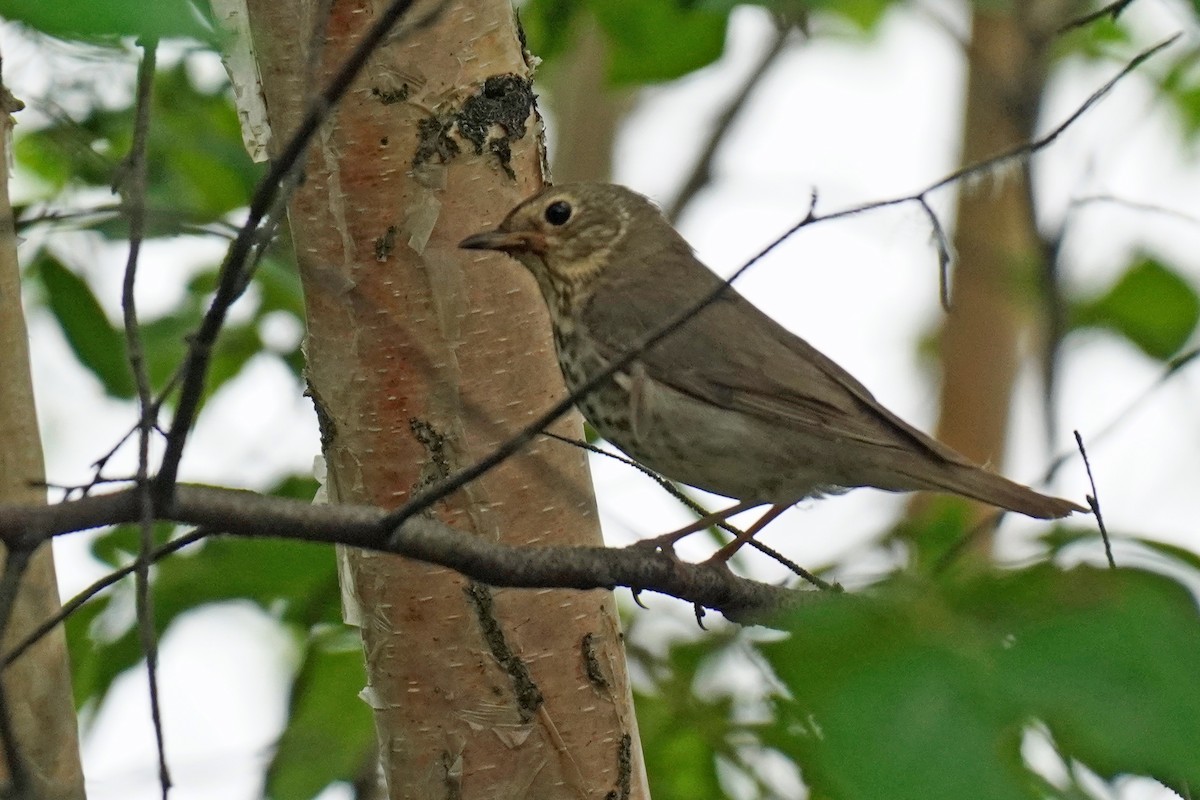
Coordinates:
(651, 41)
(928, 689)
(197, 168)
(199, 176)
(330, 734)
(107, 20)
(921, 690)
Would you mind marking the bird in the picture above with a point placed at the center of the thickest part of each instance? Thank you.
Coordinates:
(731, 402)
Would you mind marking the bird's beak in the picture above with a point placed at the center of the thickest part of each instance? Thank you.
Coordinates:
(506, 242)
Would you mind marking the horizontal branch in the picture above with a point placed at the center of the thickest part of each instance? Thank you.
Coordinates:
(246, 514)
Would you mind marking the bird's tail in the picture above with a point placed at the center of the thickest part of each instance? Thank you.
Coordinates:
(988, 487)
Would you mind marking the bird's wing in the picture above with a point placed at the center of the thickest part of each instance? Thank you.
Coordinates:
(736, 357)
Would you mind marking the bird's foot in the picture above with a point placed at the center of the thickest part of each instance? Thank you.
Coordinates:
(664, 545)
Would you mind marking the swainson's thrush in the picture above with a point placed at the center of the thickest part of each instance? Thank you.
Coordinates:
(732, 402)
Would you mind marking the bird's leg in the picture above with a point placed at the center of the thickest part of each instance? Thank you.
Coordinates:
(667, 541)
(725, 553)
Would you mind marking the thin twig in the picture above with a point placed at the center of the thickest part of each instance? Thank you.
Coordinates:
(1174, 367)
(133, 191)
(666, 485)
(1094, 501)
(100, 213)
(1029, 148)
(1112, 10)
(1055, 308)
(1133, 205)
(701, 173)
(426, 498)
(234, 271)
(942, 246)
(75, 603)
(700, 511)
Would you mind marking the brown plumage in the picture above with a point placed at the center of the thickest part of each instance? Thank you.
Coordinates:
(732, 402)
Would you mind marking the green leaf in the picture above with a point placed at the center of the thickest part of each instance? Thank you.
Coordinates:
(236, 346)
(659, 40)
(96, 342)
(330, 734)
(279, 283)
(297, 582)
(863, 14)
(917, 691)
(120, 546)
(1180, 83)
(88, 686)
(1106, 659)
(94, 20)
(165, 342)
(1151, 305)
(683, 734)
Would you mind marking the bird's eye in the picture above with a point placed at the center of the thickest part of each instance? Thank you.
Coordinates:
(558, 212)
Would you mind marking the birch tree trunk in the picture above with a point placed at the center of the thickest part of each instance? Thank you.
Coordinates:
(37, 686)
(421, 359)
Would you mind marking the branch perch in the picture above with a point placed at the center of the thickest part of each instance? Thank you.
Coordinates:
(246, 514)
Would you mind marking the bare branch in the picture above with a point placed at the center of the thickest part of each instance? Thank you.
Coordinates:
(701, 173)
(111, 579)
(1174, 367)
(247, 514)
(133, 192)
(1094, 501)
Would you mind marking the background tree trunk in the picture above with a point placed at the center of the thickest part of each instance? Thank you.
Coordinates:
(421, 359)
(996, 240)
(587, 110)
(38, 685)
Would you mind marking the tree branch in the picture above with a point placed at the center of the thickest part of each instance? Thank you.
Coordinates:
(246, 514)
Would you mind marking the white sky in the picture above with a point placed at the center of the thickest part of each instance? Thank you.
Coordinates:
(858, 121)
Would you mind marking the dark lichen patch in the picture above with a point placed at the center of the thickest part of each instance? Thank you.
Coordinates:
(491, 119)
(434, 142)
(389, 96)
(502, 150)
(624, 770)
(505, 102)
(325, 422)
(591, 663)
(528, 695)
(384, 245)
(435, 445)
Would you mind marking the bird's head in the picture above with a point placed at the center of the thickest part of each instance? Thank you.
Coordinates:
(568, 235)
